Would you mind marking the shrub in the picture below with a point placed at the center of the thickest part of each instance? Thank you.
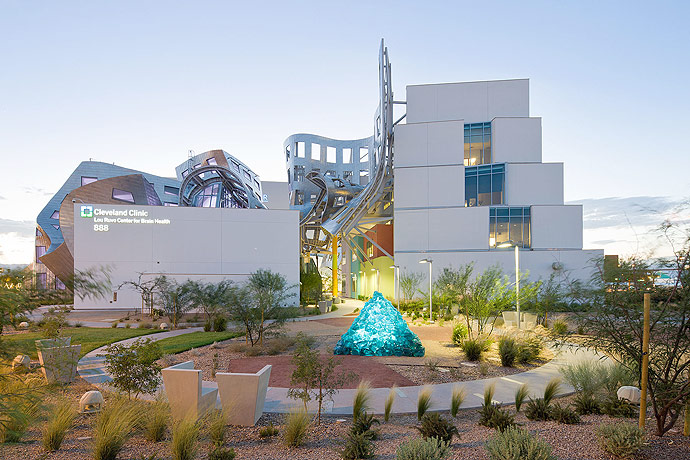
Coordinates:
(540, 408)
(491, 415)
(363, 425)
(19, 405)
(220, 323)
(360, 402)
(564, 414)
(113, 425)
(473, 349)
(507, 349)
(268, 431)
(114, 324)
(620, 439)
(221, 453)
(517, 444)
(145, 325)
(78, 324)
(390, 399)
(615, 407)
(459, 334)
(528, 349)
(436, 426)
(208, 326)
(559, 327)
(586, 404)
(61, 418)
(156, 421)
(216, 427)
(128, 325)
(357, 446)
(423, 449)
(296, 425)
(184, 439)
(520, 396)
(584, 376)
(134, 368)
(456, 400)
(423, 402)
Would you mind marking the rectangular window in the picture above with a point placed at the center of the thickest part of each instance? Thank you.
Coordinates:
(41, 280)
(40, 251)
(316, 152)
(300, 151)
(299, 198)
(363, 177)
(171, 190)
(347, 175)
(484, 185)
(370, 249)
(185, 173)
(363, 154)
(477, 144)
(330, 155)
(347, 155)
(235, 166)
(331, 173)
(509, 225)
(123, 195)
(287, 153)
(88, 180)
(299, 173)
(211, 162)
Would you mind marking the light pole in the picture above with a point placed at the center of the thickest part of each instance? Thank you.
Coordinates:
(429, 261)
(396, 283)
(378, 285)
(508, 244)
(363, 283)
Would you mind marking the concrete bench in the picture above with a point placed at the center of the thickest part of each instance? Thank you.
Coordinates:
(509, 318)
(243, 395)
(58, 358)
(325, 306)
(186, 395)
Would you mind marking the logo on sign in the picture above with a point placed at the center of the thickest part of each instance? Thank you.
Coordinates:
(87, 211)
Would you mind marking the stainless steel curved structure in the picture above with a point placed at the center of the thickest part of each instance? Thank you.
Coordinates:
(214, 186)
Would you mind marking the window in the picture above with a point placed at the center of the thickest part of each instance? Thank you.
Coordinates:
(88, 180)
(235, 166)
(289, 177)
(312, 198)
(509, 224)
(55, 215)
(59, 285)
(287, 153)
(484, 185)
(347, 175)
(299, 198)
(347, 155)
(169, 204)
(56, 226)
(330, 154)
(331, 173)
(40, 251)
(339, 200)
(197, 166)
(41, 280)
(38, 232)
(300, 149)
(316, 152)
(247, 176)
(211, 162)
(257, 184)
(370, 249)
(363, 154)
(299, 173)
(171, 190)
(123, 195)
(184, 173)
(208, 198)
(363, 177)
(477, 144)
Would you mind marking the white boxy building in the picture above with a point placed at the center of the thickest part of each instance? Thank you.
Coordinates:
(469, 177)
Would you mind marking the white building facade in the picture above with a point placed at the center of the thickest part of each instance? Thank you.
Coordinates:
(469, 178)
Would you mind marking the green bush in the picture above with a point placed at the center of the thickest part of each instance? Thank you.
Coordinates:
(423, 402)
(473, 349)
(459, 334)
(221, 453)
(155, 421)
(614, 407)
(357, 446)
(184, 439)
(620, 439)
(436, 426)
(520, 396)
(423, 449)
(208, 326)
(296, 426)
(584, 376)
(361, 401)
(60, 420)
(133, 367)
(564, 414)
(220, 323)
(538, 409)
(114, 424)
(559, 327)
(388, 406)
(216, 427)
(364, 425)
(145, 325)
(507, 349)
(456, 400)
(586, 404)
(528, 349)
(268, 431)
(517, 444)
(491, 415)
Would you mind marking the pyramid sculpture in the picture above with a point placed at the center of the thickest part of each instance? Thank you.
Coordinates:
(379, 330)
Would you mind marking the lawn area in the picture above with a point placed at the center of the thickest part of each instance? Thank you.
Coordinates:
(90, 338)
(185, 342)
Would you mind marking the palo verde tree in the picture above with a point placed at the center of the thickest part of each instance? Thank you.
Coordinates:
(409, 284)
(452, 284)
(133, 368)
(147, 288)
(614, 322)
(269, 293)
(174, 298)
(209, 297)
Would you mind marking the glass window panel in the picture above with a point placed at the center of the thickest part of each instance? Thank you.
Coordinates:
(56, 226)
(497, 188)
(502, 229)
(526, 239)
(467, 153)
(502, 211)
(492, 232)
(40, 251)
(59, 284)
(471, 191)
(347, 155)
(213, 162)
(316, 152)
(516, 230)
(484, 190)
(171, 190)
(487, 153)
(123, 195)
(330, 154)
(516, 212)
(41, 280)
(88, 180)
(55, 215)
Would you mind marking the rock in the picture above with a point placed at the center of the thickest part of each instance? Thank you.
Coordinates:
(91, 401)
(21, 363)
(628, 393)
(23, 325)
(164, 326)
(379, 330)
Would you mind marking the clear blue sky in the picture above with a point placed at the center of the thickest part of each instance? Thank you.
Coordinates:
(141, 83)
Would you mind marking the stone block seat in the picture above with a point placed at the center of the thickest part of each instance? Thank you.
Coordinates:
(58, 358)
(186, 394)
(509, 318)
(243, 395)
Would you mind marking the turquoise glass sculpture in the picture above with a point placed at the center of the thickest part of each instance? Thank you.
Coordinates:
(379, 330)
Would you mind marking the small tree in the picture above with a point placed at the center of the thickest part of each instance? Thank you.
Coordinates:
(269, 293)
(452, 284)
(133, 368)
(315, 376)
(311, 284)
(174, 298)
(409, 284)
(487, 295)
(209, 297)
(147, 289)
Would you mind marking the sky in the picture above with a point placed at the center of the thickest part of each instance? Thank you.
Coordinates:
(140, 84)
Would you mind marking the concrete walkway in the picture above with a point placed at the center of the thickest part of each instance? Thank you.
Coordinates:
(91, 369)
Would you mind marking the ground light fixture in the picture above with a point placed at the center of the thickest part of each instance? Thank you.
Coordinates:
(429, 261)
(508, 244)
(396, 274)
(378, 281)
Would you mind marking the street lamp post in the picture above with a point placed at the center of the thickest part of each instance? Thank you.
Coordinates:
(508, 244)
(378, 284)
(429, 261)
(396, 283)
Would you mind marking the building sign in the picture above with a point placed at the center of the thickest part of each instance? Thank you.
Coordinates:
(103, 218)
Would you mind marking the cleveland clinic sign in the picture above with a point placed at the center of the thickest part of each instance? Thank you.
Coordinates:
(103, 217)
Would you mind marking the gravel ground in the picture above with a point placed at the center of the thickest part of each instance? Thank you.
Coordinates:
(569, 442)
